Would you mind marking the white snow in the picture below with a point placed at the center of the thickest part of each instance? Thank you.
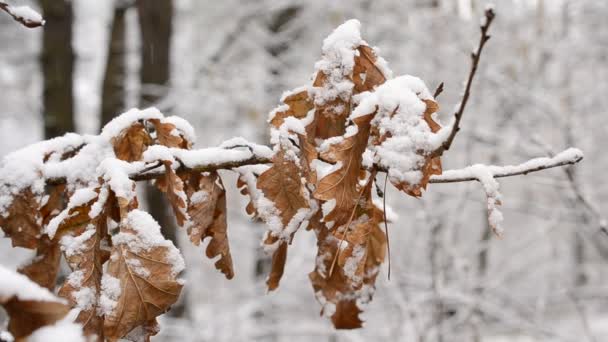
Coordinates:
(26, 14)
(146, 235)
(570, 155)
(64, 330)
(183, 126)
(13, 284)
(72, 245)
(110, 292)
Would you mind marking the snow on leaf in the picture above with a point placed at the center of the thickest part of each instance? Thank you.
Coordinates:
(22, 221)
(342, 185)
(84, 255)
(28, 305)
(207, 210)
(366, 74)
(141, 279)
(168, 135)
(348, 262)
(132, 142)
(282, 185)
(43, 268)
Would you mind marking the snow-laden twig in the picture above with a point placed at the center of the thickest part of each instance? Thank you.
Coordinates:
(23, 14)
(475, 57)
(567, 157)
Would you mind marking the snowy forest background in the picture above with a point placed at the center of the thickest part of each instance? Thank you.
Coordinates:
(540, 89)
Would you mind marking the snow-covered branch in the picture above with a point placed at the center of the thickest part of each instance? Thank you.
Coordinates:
(567, 157)
(23, 14)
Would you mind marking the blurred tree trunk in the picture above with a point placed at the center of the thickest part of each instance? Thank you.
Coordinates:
(155, 20)
(113, 88)
(155, 25)
(57, 61)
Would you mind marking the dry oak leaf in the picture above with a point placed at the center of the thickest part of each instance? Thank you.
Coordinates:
(432, 165)
(22, 220)
(132, 142)
(342, 185)
(140, 282)
(28, 305)
(207, 210)
(282, 185)
(366, 75)
(43, 268)
(298, 103)
(352, 278)
(173, 187)
(250, 209)
(168, 135)
(85, 257)
(331, 116)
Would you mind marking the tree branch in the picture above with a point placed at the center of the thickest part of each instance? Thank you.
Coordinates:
(23, 14)
(152, 170)
(475, 57)
(567, 157)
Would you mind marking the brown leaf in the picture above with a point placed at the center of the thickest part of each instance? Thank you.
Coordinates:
(132, 142)
(55, 203)
(282, 185)
(299, 105)
(330, 117)
(82, 287)
(76, 219)
(167, 134)
(173, 187)
(44, 267)
(432, 165)
(241, 184)
(143, 267)
(207, 210)
(277, 265)
(342, 185)
(29, 308)
(22, 224)
(366, 75)
(353, 276)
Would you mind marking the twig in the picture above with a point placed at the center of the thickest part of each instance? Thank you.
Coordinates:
(388, 242)
(475, 57)
(455, 176)
(439, 90)
(23, 14)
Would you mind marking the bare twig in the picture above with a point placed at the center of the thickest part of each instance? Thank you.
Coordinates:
(438, 90)
(23, 14)
(475, 57)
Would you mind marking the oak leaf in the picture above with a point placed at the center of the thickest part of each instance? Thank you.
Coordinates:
(28, 305)
(342, 185)
(168, 135)
(207, 210)
(173, 187)
(85, 257)
(432, 165)
(44, 267)
(132, 142)
(348, 262)
(282, 185)
(22, 222)
(140, 282)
